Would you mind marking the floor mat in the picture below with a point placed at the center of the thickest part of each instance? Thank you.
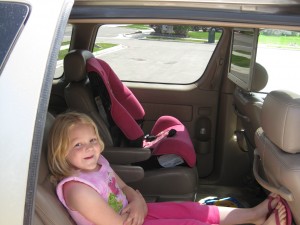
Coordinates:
(244, 196)
(227, 202)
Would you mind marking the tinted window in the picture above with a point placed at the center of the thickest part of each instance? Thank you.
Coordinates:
(12, 19)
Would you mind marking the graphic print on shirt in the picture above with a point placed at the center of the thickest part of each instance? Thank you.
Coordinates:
(113, 200)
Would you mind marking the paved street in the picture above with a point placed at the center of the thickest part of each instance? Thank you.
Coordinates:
(158, 60)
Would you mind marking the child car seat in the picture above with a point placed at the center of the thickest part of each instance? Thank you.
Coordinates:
(168, 135)
(48, 209)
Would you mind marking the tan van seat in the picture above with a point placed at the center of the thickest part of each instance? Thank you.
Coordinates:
(277, 155)
(48, 209)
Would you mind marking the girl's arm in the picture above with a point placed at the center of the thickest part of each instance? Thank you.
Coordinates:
(136, 208)
(88, 203)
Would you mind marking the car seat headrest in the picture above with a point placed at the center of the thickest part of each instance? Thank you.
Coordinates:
(259, 78)
(281, 119)
(75, 65)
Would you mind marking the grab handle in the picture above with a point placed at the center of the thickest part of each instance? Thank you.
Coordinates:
(282, 191)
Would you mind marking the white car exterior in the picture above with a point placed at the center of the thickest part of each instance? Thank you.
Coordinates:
(27, 75)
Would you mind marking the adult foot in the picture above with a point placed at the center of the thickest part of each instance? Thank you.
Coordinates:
(278, 216)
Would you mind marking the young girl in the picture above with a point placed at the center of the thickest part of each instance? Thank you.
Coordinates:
(94, 194)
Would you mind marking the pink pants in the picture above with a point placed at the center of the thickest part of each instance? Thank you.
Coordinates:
(181, 213)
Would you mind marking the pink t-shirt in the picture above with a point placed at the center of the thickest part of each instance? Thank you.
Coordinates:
(104, 182)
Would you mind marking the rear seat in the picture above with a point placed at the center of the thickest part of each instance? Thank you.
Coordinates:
(48, 209)
(277, 156)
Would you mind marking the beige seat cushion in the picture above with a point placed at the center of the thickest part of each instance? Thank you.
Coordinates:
(48, 209)
(278, 147)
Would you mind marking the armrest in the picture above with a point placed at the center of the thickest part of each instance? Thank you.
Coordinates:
(126, 155)
(129, 173)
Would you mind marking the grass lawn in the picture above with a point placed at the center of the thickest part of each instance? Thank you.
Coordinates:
(193, 36)
(97, 47)
(282, 41)
(175, 39)
(62, 54)
(139, 26)
(199, 36)
(203, 35)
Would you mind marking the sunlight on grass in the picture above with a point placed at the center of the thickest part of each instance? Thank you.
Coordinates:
(203, 35)
(193, 36)
(166, 38)
(102, 46)
(139, 26)
(280, 41)
(97, 47)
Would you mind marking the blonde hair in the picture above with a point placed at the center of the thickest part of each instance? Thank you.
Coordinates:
(58, 143)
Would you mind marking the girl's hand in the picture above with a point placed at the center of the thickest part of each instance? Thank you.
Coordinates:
(136, 210)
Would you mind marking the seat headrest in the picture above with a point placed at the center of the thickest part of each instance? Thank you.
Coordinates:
(281, 119)
(259, 78)
(75, 65)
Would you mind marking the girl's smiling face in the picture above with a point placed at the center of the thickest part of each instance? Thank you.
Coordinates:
(84, 148)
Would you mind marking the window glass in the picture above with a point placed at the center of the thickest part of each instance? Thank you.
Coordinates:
(173, 54)
(64, 48)
(12, 19)
(279, 52)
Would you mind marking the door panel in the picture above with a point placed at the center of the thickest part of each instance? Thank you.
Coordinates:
(195, 108)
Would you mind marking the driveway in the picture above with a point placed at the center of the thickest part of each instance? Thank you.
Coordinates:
(141, 59)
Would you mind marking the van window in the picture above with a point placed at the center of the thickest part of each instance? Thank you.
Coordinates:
(279, 52)
(157, 53)
(12, 20)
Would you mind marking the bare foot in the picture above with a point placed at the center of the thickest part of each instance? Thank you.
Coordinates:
(264, 209)
(281, 216)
